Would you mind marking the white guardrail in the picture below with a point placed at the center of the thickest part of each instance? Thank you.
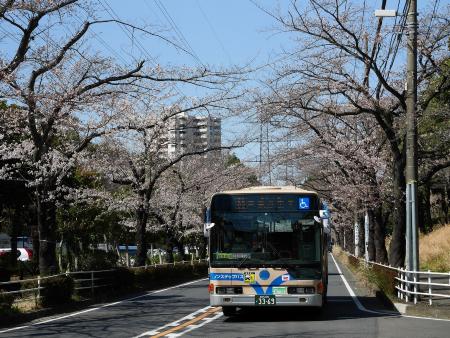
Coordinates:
(87, 279)
(412, 284)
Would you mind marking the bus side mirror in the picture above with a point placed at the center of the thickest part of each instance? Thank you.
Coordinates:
(324, 214)
(326, 225)
(324, 222)
(206, 229)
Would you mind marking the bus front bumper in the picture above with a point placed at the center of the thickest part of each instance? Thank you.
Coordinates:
(314, 300)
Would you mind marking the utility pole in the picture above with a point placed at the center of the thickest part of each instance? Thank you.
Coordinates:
(412, 245)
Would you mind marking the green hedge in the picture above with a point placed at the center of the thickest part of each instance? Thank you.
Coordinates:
(122, 279)
(98, 260)
(152, 276)
(56, 290)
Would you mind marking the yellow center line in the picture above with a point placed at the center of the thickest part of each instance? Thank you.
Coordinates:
(190, 322)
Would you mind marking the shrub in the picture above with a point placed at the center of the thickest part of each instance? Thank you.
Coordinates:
(6, 301)
(56, 290)
(200, 269)
(98, 260)
(383, 278)
(122, 279)
(28, 268)
(177, 257)
(165, 274)
(353, 261)
(6, 269)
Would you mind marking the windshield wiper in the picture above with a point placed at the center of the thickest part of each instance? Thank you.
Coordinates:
(243, 260)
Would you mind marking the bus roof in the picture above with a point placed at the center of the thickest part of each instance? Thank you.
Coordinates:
(268, 190)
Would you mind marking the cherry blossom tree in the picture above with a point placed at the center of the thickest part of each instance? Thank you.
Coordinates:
(137, 155)
(342, 66)
(64, 94)
(184, 193)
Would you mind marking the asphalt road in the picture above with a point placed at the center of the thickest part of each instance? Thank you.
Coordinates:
(184, 311)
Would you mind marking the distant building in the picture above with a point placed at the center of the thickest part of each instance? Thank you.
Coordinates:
(187, 133)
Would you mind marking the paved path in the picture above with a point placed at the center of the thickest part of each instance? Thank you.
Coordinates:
(184, 311)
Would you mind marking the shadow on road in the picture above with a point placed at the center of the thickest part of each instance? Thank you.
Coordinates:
(337, 308)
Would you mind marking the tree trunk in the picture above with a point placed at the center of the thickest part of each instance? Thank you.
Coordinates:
(349, 240)
(371, 241)
(169, 252)
(398, 243)
(340, 237)
(444, 206)
(180, 248)
(141, 225)
(36, 246)
(361, 243)
(46, 217)
(381, 255)
(202, 247)
(15, 221)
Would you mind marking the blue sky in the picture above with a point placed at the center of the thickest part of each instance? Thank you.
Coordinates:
(219, 33)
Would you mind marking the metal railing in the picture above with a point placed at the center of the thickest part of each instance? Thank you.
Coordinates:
(412, 284)
(83, 280)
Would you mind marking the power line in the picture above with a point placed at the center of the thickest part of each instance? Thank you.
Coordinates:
(399, 39)
(436, 5)
(104, 43)
(127, 30)
(216, 36)
(177, 31)
(129, 34)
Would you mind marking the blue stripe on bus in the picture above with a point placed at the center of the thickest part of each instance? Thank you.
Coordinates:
(226, 276)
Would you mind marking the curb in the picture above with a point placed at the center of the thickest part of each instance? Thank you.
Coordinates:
(402, 308)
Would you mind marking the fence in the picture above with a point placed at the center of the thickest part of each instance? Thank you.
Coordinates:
(83, 280)
(413, 284)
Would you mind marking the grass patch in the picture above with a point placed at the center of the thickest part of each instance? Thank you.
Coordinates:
(434, 250)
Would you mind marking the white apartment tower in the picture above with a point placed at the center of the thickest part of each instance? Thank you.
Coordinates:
(193, 133)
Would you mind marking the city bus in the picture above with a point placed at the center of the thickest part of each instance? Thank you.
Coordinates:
(267, 248)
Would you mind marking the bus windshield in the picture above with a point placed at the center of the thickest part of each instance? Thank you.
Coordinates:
(265, 239)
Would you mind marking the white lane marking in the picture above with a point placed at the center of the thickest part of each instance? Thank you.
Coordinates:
(103, 306)
(175, 323)
(362, 308)
(428, 318)
(350, 291)
(15, 328)
(196, 326)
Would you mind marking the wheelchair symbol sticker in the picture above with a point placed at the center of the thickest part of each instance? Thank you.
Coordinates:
(303, 203)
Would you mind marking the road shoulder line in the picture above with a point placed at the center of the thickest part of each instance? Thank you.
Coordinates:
(363, 309)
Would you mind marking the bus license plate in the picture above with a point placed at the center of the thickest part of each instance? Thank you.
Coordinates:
(265, 300)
